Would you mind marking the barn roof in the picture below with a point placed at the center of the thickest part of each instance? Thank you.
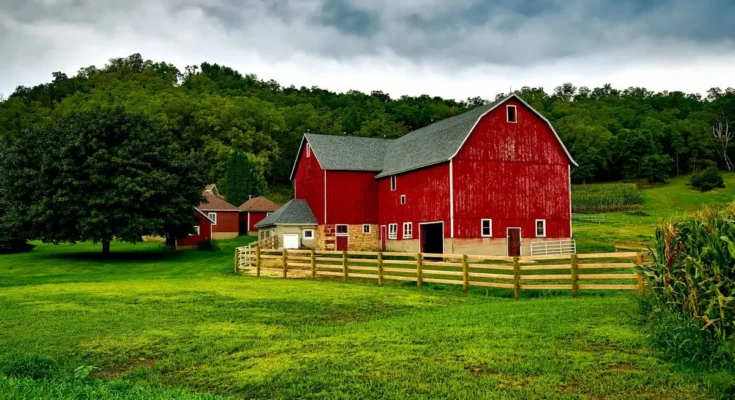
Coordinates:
(430, 145)
(259, 203)
(295, 212)
(215, 203)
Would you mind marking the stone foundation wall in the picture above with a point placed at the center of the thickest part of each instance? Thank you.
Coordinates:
(360, 241)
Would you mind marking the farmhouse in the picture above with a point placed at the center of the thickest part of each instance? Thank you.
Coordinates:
(203, 231)
(489, 181)
(253, 211)
(224, 216)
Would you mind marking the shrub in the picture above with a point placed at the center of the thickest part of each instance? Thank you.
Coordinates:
(693, 279)
(707, 180)
(605, 197)
(8, 246)
(33, 366)
(656, 168)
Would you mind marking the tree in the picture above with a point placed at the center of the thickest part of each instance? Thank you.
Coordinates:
(723, 135)
(255, 175)
(237, 185)
(99, 175)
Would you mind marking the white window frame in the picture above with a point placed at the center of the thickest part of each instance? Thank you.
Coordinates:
(268, 214)
(408, 233)
(197, 231)
(482, 227)
(515, 113)
(393, 183)
(308, 234)
(369, 229)
(347, 230)
(392, 231)
(213, 217)
(308, 150)
(535, 228)
(403, 199)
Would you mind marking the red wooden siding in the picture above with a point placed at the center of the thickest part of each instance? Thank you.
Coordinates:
(227, 221)
(309, 184)
(427, 199)
(205, 233)
(352, 197)
(513, 174)
(255, 217)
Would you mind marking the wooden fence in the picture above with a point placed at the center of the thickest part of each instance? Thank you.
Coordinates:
(574, 272)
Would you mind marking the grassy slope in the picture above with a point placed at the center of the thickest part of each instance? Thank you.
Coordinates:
(661, 202)
(183, 320)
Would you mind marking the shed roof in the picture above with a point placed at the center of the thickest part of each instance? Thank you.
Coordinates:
(295, 212)
(260, 203)
(430, 145)
(215, 203)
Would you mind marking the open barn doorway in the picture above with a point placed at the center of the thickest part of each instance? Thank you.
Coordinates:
(432, 237)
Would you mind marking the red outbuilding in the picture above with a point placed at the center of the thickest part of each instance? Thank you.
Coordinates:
(253, 211)
(224, 216)
(203, 231)
(491, 180)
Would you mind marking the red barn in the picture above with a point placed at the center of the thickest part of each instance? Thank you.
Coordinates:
(203, 231)
(224, 216)
(489, 181)
(254, 211)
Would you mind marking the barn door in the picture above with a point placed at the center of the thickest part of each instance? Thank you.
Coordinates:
(343, 238)
(514, 242)
(383, 234)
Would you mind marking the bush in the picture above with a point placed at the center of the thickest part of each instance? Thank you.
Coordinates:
(707, 180)
(31, 366)
(693, 279)
(605, 197)
(8, 246)
(656, 168)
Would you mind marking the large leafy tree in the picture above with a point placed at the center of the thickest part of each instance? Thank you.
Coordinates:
(99, 175)
(237, 190)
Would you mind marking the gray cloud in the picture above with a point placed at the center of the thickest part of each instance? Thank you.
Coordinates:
(326, 38)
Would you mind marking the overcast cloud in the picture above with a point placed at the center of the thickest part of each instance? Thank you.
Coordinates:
(455, 48)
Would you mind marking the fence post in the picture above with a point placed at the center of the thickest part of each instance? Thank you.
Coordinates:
(344, 264)
(237, 254)
(257, 260)
(575, 277)
(418, 270)
(285, 263)
(313, 264)
(380, 268)
(639, 263)
(516, 279)
(465, 274)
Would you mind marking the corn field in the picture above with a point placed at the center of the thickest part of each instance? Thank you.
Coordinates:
(605, 197)
(694, 269)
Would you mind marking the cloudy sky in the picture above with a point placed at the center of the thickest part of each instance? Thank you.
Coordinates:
(452, 48)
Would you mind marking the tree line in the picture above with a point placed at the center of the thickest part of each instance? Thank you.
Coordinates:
(213, 110)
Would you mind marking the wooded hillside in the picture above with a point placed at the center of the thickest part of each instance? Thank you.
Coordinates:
(211, 109)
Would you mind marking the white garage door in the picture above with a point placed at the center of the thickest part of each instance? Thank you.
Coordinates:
(291, 241)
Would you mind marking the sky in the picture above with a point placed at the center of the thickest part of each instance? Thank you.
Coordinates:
(449, 48)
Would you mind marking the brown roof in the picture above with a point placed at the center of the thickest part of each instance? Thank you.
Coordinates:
(259, 203)
(215, 203)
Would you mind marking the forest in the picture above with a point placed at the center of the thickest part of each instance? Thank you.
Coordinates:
(614, 134)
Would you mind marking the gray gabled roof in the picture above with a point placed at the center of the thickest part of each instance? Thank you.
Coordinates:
(432, 144)
(293, 212)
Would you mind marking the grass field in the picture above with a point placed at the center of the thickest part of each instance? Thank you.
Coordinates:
(181, 325)
(659, 202)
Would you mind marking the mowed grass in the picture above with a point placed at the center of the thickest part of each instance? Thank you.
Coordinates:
(659, 202)
(166, 325)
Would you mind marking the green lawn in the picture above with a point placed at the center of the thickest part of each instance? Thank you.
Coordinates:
(157, 323)
(659, 202)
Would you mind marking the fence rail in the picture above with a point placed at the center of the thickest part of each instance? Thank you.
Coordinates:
(574, 272)
(567, 246)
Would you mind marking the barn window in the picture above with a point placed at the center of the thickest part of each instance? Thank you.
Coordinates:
(341, 229)
(540, 228)
(268, 214)
(393, 183)
(213, 217)
(308, 150)
(366, 228)
(486, 228)
(512, 114)
(392, 231)
(407, 230)
(308, 234)
(196, 230)
(403, 199)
